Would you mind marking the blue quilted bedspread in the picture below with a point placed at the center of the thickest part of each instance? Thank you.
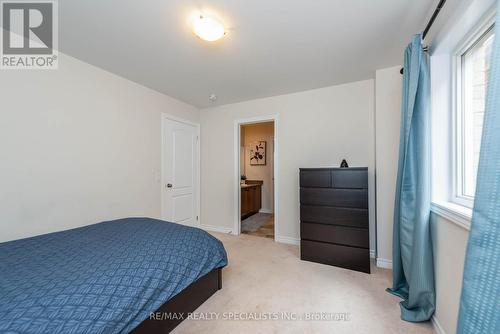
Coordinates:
(103, 278)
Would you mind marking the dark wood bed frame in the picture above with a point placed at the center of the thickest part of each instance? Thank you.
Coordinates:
(182, 304)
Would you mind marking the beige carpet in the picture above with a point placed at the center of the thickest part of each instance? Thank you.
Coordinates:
(264, 276)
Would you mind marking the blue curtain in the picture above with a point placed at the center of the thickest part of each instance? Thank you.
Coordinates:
(413, 267)
(480, 301)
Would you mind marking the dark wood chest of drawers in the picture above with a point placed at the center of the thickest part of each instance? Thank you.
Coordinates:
(334, 217)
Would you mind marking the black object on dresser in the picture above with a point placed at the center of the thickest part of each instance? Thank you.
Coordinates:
(334, 217)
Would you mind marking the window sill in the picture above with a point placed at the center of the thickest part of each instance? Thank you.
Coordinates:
(455, 213)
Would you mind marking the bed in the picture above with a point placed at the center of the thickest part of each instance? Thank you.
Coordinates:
(107, 278)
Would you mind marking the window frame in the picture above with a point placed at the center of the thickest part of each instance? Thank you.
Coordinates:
(458, 164)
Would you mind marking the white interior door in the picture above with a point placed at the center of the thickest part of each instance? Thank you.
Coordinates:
(181, 172)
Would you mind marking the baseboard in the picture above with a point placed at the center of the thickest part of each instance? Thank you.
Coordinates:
(287, 240)
(219, 229)
(372, 253)
(437, 325)
(383, 263)
(266, 211)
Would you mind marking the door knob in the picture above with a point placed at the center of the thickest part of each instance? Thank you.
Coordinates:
(169, 185)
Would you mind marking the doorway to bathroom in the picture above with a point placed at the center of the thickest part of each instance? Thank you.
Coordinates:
(256, 188)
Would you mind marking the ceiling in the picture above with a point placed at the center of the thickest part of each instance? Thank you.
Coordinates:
(272, 47)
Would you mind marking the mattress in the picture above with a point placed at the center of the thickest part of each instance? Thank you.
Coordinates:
(102, 278)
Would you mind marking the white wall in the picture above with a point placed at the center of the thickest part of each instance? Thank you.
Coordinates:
(78, 145)
(388, 94)
(316, 128)
(252, 134)
(449, 243)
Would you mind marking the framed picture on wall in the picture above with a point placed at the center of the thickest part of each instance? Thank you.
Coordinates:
(258, 153)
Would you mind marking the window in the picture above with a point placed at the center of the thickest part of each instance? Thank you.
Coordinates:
(472, 84)
(459, 61)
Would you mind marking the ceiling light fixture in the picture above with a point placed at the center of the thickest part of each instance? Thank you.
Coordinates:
(208, 28)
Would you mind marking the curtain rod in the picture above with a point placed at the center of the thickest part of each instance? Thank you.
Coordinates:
(433, 17)
(431, 21)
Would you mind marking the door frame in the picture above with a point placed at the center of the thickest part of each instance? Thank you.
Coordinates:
(163, 185)
(236, 186)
